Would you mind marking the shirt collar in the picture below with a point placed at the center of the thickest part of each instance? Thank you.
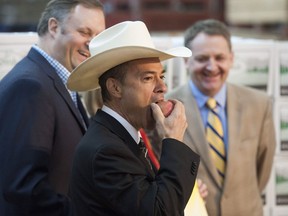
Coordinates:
(201, 98)
(62, 72)
(131, 130)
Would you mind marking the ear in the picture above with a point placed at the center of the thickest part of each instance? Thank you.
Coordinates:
(53, 26)
(114, 87)
(232, 58)
(186, 59)
(188, 62)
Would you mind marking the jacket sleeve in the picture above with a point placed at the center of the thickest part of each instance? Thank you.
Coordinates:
(123, 184)
(265, 156)
(27, 126)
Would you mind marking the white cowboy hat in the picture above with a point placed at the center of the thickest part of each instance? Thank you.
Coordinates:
(123, 42)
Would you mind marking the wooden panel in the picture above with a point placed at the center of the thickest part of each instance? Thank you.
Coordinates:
(170, 20)
(114, 18)
(161, 15)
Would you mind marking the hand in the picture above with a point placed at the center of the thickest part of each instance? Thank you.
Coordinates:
(172, 126)
(203, 190)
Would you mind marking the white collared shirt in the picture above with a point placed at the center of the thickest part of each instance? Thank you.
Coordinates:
(131, 130)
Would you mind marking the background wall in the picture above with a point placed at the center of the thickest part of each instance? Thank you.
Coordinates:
(261, 18)
(159, 15)
(261, 64)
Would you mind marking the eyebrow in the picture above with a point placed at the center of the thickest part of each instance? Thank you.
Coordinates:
(154, 72)
(86, 28)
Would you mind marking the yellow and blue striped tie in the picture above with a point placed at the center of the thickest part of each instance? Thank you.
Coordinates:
(214, 133)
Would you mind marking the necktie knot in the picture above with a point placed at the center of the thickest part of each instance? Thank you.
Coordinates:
(211, 103)
(142, 147)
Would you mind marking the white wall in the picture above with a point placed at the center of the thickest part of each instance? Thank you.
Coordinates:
(262, 64)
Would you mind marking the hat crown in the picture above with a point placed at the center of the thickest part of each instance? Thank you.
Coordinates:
(123, 42)
(124, 34)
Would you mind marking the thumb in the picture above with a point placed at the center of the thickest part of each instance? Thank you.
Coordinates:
(157, 113)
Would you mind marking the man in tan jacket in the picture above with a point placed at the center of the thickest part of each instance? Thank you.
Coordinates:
(246, 117)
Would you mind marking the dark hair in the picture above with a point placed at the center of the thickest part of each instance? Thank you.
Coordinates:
(59, 9)
(118, 72)
(209, 27)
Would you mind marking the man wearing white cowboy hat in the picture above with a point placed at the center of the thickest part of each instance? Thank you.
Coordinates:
(110, 175)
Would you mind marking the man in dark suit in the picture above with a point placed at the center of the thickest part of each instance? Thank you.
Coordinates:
(41, 121)
(111, 175)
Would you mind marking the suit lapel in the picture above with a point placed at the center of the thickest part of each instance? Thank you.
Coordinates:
(113, 125)
(61, 89)
(82, 111)
(196, 129)
(234, 107)
(195, 132)
(59, 86)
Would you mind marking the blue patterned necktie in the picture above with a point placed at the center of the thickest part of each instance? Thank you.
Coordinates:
(214, 134)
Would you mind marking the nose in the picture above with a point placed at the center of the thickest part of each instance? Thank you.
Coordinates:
(87, 45)
(160, 86)
(211, 64)
(88, 42)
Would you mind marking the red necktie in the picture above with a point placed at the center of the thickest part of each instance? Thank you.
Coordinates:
(148, 145)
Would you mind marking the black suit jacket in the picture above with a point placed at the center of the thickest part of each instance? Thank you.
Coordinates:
(39, 129)
(110, 176)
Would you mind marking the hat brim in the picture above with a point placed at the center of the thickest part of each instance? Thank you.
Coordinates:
(86, 76)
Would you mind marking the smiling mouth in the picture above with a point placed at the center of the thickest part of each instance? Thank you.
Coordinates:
(87, 55)
(212, 74)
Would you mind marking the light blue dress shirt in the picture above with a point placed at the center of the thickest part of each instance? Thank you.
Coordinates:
(220, 97)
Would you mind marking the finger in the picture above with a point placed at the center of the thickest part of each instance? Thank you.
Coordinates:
(199, 181)
(178, 105)
(157, 113)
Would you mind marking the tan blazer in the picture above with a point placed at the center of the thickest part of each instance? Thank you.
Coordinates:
(251, 147)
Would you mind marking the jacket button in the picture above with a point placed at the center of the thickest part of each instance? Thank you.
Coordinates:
(194, 168)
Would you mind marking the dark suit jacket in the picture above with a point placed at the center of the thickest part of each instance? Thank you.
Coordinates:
(39, 130)
(110, 176)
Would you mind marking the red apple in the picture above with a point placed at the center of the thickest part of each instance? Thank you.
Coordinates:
(166, 107)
